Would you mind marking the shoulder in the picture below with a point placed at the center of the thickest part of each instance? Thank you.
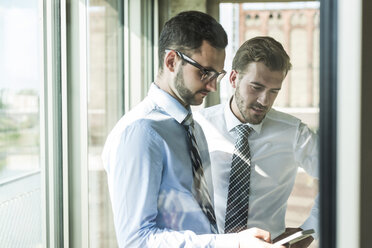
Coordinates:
(144, 119)
(212, 112)
(146, 114)
(156, 123)
(287, 124)
(279, 117)
(212, 121)
(211, 115)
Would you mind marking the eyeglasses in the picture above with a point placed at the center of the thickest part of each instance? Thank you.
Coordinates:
(207, 74)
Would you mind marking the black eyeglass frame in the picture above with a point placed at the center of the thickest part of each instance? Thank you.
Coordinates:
(207, 74)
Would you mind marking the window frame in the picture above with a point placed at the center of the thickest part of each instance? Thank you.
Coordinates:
(51, 125)
(328, 122)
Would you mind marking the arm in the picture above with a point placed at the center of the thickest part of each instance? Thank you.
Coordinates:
(307, 156)
(134, 175)
(134, 170)
(313, 220)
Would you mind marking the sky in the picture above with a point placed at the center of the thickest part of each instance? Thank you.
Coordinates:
(20, 44)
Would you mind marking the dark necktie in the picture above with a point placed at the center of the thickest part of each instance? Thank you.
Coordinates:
(200, 190)
(238, 196)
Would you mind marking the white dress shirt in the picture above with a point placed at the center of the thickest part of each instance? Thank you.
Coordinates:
(278, 145)
(147, 160)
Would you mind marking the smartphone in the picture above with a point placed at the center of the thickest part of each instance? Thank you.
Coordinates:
(296, 237)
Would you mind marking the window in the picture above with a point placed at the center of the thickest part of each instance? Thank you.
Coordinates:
(105, 44)
(21, 66)
(105, 107)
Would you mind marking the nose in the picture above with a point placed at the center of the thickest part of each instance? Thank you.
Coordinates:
(263, 99)
(212, 85)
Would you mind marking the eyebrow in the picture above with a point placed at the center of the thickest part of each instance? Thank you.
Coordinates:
(261, 85)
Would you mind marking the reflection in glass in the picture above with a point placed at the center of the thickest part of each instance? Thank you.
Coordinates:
(20, 78)
(104, 109)
(296, 26)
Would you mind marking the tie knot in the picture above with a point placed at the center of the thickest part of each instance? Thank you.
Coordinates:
(243, 130)
(188, 121)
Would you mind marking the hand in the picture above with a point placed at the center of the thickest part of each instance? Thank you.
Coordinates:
(255, 237)
(301, 244)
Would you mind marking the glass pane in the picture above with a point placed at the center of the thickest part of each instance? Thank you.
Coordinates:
(296, 26)
(104, 109)
(21, 63)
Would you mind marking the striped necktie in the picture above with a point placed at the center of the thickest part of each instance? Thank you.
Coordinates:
(200, 190)
(238, 196)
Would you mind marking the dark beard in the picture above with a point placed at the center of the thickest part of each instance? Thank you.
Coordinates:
(186, 95)
(241, 107)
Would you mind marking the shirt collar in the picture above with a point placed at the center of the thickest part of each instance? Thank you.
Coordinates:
(168, 103)
(232, 121)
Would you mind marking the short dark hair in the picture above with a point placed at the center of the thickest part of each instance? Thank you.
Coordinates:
(263, 49)
(187, 30)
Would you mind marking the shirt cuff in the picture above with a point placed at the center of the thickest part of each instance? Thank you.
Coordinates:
(312, 222)
(230, 240)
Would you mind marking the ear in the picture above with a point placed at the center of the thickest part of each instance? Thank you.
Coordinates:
(233, 78)
(170, 60)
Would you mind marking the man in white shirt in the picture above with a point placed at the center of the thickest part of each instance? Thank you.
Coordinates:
(157, 160)
(278, 143)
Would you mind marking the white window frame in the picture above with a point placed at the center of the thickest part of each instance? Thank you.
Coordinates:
(138, 73)
(349, 132)
(75, 127)
(51, 123)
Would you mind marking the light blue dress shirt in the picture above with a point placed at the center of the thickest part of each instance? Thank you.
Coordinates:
(146, 157)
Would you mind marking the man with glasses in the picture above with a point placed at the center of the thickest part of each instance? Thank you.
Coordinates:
(156, 157)
(275, 145)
